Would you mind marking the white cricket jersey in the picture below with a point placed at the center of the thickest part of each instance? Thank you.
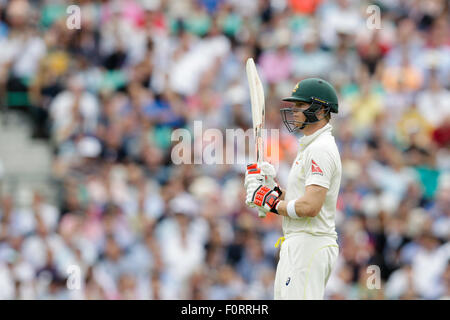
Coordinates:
(317, 162)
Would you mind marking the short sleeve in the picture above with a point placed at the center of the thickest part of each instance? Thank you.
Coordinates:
(319, 168)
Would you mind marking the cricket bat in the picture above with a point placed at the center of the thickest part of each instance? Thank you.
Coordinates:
(258, 111)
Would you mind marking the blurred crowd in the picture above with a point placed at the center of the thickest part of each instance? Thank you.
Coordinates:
(107, 97)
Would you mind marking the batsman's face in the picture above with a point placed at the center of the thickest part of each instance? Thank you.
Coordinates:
(294, 117)
(298, 109)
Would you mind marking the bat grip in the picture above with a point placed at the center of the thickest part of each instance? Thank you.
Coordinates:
(259, 157)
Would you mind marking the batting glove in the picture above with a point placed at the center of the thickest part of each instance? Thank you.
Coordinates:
(253, 178)
(264, 198)
(253, 175)
(269, 173)
(258, 174)
(263, 172)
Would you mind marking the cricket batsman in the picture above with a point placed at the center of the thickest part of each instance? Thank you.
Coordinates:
(309, 246)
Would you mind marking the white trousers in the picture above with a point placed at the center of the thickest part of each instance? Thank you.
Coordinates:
(304, 267)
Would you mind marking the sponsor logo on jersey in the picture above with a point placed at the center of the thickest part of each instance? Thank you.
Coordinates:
(315, 169)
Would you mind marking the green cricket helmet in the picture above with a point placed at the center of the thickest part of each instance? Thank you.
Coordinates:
(316, 92)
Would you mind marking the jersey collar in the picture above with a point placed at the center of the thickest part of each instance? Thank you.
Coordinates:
(306, 140)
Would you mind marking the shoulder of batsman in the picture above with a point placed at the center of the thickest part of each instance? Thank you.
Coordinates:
(323, 146)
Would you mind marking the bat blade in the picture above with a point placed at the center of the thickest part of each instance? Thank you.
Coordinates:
(258, 107)
(258, 110)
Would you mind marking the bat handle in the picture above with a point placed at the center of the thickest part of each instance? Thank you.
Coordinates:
(261, 214)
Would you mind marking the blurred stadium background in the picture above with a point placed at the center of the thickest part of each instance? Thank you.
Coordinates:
(86, 119)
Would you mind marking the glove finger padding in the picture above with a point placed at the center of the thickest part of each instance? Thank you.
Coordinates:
(269, 173)
(253, 174)
(267, 169)
(253, 185)
(265, 198)
(253, 178)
